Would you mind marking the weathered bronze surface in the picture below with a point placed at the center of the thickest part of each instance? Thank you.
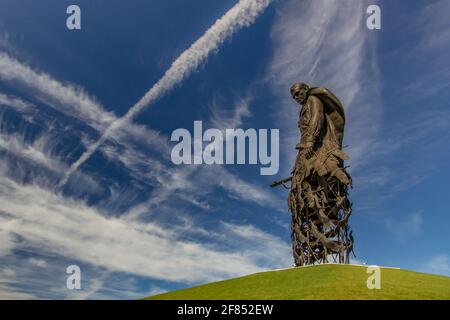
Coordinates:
(318, 197)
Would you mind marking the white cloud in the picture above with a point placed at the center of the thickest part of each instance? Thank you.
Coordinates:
(326, 43)
(261, 244)
(7, 293)
(144, 152)
(72, 229)
(191, 183)
(133, 142)
(48, 222)
(37, 152)
(36, 278)
(70, 99)
(244, 190)
(224, 118)
(38, 161)
(6, 238)
(40, 263)
(243, 14)
(16, 103)
(439, 264)
(433, 20)
(405, 227)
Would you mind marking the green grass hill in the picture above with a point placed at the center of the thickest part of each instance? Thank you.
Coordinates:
(319, 282)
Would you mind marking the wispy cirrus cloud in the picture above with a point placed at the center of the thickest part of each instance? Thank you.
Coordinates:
(37, 160)
(243, 14)
(223, 118)
(70, 99)
(44, 277)
(405, 227)
(75, 230)
(132, 143)
(438, 264)
(326, 43)
(70, 228)
(54, 217)
(15, 102)
(74, 101)
(192, 183)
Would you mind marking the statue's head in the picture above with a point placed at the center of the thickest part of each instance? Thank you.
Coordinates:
(299, 92)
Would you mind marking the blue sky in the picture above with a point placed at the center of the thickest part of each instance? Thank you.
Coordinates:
(135, 223)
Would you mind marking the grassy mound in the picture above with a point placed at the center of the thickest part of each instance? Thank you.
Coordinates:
(319, 282)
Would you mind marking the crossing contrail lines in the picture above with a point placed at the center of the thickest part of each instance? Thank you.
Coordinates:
(243, 14)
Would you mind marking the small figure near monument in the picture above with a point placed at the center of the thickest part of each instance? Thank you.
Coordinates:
(318, 197)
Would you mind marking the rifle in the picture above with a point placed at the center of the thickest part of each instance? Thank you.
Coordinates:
(277, 183)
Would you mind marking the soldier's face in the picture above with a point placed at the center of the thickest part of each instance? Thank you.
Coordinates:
(300, 95)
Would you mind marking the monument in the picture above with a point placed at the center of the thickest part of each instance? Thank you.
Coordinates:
(318, 191)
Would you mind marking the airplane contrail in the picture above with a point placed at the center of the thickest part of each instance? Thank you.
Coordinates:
(242, 14)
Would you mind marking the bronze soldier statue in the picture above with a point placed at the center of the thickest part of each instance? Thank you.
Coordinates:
(318, 197)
